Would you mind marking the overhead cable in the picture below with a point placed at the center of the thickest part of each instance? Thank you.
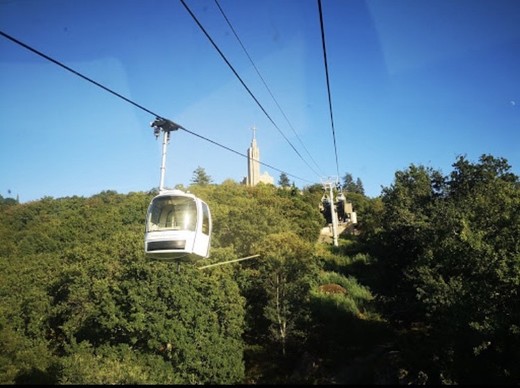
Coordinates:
(245, 156)
(75, 72)
(243, 83)
(133, 102)
(328, 85)
(263, 81)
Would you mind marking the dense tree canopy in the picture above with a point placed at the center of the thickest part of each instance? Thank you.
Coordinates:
(88, 300)
(76, 286)
(450, 247)
(428, 292)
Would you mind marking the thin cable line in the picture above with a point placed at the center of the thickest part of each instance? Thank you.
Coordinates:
(75, 72)
(243, 83)
(132, 102)
(328, 84)
(265, 83)
(245, 156)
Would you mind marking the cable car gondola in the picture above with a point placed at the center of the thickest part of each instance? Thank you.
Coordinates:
(341, 207)
(178, 225)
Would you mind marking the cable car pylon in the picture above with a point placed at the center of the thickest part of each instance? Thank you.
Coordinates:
(338, 212)
(328, 185)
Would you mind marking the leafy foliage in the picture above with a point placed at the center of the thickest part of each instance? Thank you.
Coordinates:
(286, 272)
(426, 293)
(284, 180)
(352, 187)
(200, 177)
(78, 289)
(450, 248)
(243, 215)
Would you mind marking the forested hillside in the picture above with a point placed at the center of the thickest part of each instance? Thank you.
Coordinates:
(425, 291)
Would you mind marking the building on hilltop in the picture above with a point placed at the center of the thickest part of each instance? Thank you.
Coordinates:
(253, 165)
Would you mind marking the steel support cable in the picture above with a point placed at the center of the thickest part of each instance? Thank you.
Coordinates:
(328, 85)
(243, 83)
(265, 83)
(75, 72)
(132, 102)
(245, 156)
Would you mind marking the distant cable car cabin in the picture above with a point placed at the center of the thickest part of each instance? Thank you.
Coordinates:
(325, 208)
(178, 225)
(341, 207)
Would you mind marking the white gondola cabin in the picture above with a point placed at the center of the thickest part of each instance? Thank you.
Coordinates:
(178, 225)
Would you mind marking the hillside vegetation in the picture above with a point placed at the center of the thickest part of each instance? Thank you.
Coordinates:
(425, 292)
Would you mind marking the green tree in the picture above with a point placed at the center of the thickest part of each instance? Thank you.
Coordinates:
(243, 215)
(352, 187)
(7, 201)
(450, 251)
(468, 279)
(200, 177)
(80, 305)
(287, 267)
(191, 319)
(405, 233)
(284, 180)
(359, 186)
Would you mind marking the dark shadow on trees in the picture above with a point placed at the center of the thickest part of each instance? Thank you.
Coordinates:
(349, 347)
(35, 376)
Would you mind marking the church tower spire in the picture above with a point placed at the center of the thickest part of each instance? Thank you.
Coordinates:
(253, 161)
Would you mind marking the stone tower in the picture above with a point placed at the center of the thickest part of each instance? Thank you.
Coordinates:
(253, 162)
(253, 165)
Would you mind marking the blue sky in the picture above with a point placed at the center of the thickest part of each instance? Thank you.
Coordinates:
(411, 82)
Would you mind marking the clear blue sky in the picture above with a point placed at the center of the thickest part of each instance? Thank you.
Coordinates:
(411, 82)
